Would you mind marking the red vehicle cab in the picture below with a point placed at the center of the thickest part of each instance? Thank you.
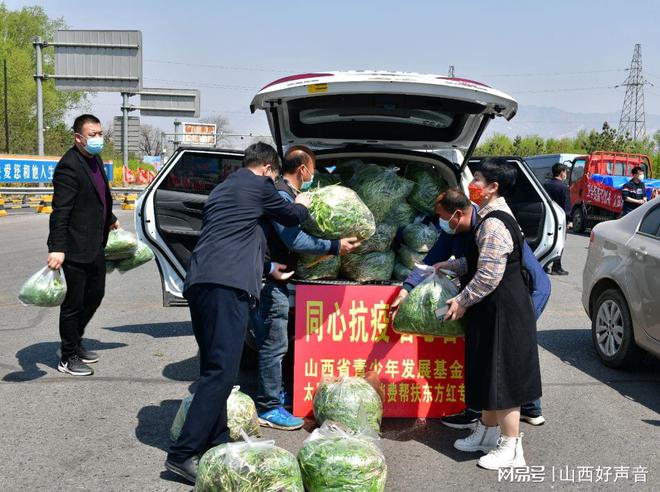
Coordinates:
(595, 181)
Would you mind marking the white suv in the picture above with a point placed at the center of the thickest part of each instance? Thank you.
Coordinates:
(383, 117)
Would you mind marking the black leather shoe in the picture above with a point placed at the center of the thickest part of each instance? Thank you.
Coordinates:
(186, 470)
(559, 272)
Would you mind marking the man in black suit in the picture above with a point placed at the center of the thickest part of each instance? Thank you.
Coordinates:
(79, 225)
(561, 195)
(223, 282)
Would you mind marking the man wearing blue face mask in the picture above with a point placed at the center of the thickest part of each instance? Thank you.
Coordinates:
(78, 231)
(270, 320)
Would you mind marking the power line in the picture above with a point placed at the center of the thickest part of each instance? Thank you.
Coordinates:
(566, 89)
(547, 74)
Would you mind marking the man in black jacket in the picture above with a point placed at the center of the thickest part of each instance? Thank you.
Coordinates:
(79, 225)
(223, 282)
(561, 195)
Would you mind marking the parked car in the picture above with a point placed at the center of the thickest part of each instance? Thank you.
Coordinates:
(541, 165)
(389, 118)
(621, 286)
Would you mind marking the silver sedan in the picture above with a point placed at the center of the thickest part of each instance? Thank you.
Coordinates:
(621, 286)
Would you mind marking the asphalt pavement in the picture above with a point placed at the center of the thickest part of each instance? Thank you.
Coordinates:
(110, 431)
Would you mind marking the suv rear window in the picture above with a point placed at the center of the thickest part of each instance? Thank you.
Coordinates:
(199, 172)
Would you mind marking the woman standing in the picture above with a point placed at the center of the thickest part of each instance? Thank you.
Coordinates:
(501, 355)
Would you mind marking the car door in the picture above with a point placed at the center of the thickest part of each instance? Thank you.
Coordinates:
(169, 212)
(644, 273)
(542, 221)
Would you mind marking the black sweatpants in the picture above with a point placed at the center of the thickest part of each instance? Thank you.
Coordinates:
(85, 288)
(219, 318)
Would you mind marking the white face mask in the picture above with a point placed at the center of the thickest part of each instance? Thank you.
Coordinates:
(640, 177)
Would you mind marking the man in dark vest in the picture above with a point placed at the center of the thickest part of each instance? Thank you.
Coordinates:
(79, 225)
(223, 283)
(272, 319)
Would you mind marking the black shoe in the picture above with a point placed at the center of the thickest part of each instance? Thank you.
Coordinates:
(87, 356)
(559, 271)
(186, 470)
(464, 420)
(532, 419)
(75, 367)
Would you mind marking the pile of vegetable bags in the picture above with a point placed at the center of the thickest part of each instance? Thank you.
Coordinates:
(248, 466)
(124, 252)
(417, 239)
(241, 415)
(334, 459)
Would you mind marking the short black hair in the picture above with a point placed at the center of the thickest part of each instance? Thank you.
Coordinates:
(558, 168)
(453, 199)
(636, 169)
(80, 121)
(260, 154)
(499, 170)
(295, 157)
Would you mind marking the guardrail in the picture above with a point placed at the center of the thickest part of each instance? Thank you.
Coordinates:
(7, 190)
(40, 199)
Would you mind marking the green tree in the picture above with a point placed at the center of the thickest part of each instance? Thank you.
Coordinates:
(17, 30)
(496, 144)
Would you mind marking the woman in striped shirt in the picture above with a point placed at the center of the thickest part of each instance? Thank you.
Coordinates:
(501, 355)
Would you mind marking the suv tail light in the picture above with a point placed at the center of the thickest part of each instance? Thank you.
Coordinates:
(591, 238)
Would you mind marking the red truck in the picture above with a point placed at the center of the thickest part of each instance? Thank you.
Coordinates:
(596, 180)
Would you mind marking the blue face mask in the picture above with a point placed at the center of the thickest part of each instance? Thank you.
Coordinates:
(306, 185)
(444, 225)
(94, 145)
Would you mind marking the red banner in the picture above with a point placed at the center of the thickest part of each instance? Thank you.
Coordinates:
(604, 196)
(346, 331)
(129, 176)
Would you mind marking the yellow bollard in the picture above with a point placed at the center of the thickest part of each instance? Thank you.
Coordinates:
(3, 212)
(46, 205)
(129, 201)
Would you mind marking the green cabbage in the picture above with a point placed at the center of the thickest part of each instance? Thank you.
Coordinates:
(368, 267)
(142, 255)
(46, 288)
(428, 185)
(380, 188)
(337, 212)
(380, 241)
(408, 258)
(252, 466)
(121, 244)
(335, 461)
(400, 272)
(401, 214)
(350, 401)
(312, 267)
(241, 415)
(420, 237)
(416, 314)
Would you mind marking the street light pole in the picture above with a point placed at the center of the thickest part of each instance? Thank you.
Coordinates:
(6, 109)
(39, 76)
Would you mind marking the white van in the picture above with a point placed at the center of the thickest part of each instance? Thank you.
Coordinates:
(389, 118)
(541, 165)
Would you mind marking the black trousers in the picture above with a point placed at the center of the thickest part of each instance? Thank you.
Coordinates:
(85, 284)
(219, 319)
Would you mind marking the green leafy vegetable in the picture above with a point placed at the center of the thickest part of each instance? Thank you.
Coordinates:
(311, 267)
(339, 462)
(380, 188)
(347, 169)
(121, 244)
(252, 466)
(401, 214)
(368, 267)
(407, 257)
(142, 255)
(428, 185)
(380, 241)
(420, 237)
(350, 401)
(417, 315)
(46, 288)
(322, 179)
(337, 212)
(400, 272)
(110, 266)
(241, 415)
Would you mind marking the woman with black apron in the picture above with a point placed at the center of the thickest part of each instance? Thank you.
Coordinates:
(501, 355)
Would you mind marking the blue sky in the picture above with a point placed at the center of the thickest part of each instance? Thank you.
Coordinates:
(530, 49)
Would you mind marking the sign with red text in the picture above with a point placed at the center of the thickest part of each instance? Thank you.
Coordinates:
(346, 331)
(604, 196)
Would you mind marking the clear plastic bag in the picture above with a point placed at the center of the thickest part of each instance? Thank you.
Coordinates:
(121, 245)
(248, 466)
(46, 288)
(312, 267)
(420, 237)
(350, 401)
(380, 188)
(142, 255)
(334, 459)
(368, 267)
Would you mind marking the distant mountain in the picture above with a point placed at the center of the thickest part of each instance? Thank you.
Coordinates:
(556, 123)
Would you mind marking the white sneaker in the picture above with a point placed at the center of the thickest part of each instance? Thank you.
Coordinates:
(508, 453)
(483, 438)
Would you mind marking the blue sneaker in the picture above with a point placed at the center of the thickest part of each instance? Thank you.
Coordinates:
(279, 418)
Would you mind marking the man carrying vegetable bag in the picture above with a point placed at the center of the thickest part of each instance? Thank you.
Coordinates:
(223, 282)
(78, 231)
(272, 317)
(456, 226)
